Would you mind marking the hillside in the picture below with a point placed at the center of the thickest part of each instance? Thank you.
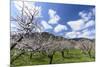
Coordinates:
(46, 36)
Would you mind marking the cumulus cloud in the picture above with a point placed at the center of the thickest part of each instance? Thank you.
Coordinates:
(82, 34)
(86, 16)
(51, 13)
(90, 23)
(76, 25)
(46, 25)
(87, 34)
(72, 34)
(82, 25)
(60, 28)
(54, 18)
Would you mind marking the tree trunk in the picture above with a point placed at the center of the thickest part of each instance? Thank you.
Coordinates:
(62, 52)
(17, 57)
(51, 58)
(12, 46)
(30, 55)
(89, 52)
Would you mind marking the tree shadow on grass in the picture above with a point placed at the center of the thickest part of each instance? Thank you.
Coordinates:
(40, 58)
(72, 56)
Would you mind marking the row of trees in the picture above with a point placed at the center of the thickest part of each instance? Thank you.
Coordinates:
(28, 23)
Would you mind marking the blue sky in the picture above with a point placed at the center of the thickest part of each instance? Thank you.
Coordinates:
(67, 20)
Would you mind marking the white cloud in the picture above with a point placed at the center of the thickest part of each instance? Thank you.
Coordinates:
(90, 23)
(87, 34)
(72, 34)
(82, 34)
(54, 18)
(76, 25)
(60, 28)
(83, 22)
(85, 16)
(81, 25)
(46, 25)
(51, 13)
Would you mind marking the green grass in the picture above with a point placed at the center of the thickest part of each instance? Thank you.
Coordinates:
(74, 56)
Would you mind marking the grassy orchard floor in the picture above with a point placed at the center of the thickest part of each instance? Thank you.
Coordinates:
(39, 59)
